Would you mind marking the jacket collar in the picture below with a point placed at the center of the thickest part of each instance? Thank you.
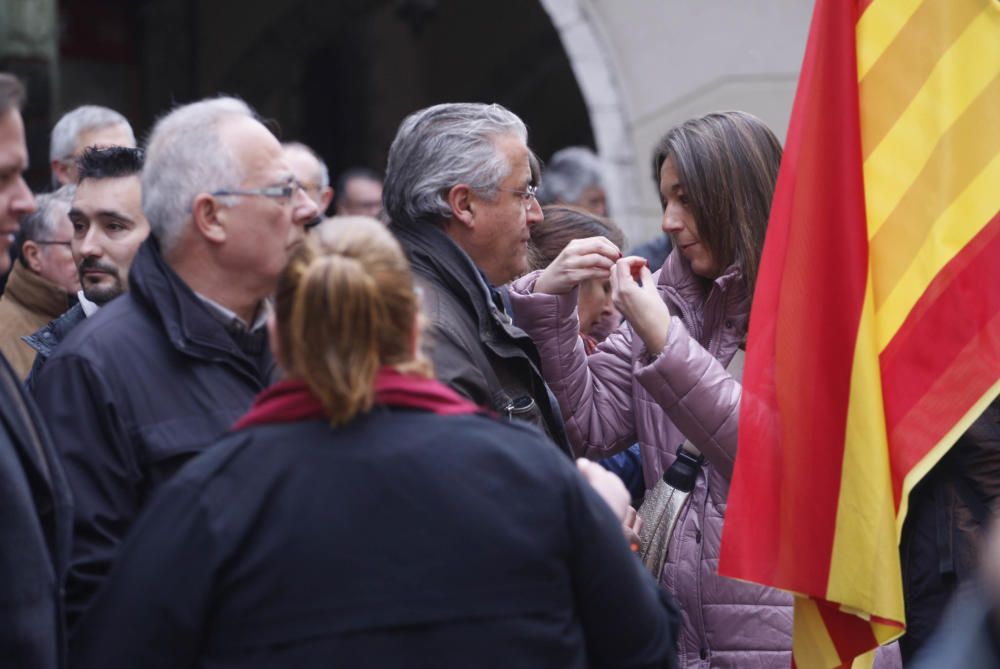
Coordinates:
(724, 297)
(434, 253)
(434, 256)
(49, 336)
(35, 293)
(292, 401)
(187, 322)
(677, 274)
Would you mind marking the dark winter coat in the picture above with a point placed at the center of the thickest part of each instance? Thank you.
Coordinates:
(476, 348)
(133, 393)
(949, 510)
(35, 526)
(403, 539)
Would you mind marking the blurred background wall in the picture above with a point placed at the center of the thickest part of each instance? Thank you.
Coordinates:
(340, 75)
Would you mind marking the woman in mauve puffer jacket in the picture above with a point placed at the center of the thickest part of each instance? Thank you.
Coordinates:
(662, 378)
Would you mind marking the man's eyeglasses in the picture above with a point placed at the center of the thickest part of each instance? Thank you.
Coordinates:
(528, 195)
(52, 242)
(282, 192)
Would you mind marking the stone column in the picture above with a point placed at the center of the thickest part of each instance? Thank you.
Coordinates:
(29, 48)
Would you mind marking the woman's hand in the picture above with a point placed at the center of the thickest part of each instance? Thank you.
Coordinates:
(641, 305)
(582, 259)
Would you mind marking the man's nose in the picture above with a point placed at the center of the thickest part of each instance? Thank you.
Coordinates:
(90, 243)
(22, 202)
(305, 209)
(534, 212)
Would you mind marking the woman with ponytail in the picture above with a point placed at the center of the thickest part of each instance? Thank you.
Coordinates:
(364, 515)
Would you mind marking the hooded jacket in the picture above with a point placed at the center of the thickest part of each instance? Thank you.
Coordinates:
(134, 392)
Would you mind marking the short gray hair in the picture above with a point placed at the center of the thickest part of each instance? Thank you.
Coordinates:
(40, 225)
(186, 156)
(439, 147)
(324, 171)
(74, 123)
(570, 171)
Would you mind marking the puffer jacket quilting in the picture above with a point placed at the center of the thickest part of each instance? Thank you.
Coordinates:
(621, 394)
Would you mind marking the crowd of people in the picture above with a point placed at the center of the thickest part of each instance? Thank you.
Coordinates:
(237, 432)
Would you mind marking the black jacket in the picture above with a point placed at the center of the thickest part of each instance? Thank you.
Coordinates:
(133, 393)
(403, 539)
(949, 511)
(475, 347)
(35, 526)
(45, 340)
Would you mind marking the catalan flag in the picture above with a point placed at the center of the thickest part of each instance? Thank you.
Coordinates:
(875, 334)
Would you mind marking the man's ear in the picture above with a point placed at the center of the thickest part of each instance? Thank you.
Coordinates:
(209, 217)
(60, 168)
(30, 250)
(461, 201)
(325, 197)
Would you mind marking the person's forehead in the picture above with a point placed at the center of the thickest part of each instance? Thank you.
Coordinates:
(116, 193)
(303, 165)
(362, 186)
(60, 215)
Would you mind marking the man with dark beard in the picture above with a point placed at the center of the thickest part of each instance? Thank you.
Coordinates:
(108, 227)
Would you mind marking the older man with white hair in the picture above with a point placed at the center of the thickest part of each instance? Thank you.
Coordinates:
(79, 129)
(155, 376)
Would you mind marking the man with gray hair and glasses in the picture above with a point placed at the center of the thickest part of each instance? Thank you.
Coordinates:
(460, 196)
(43, 278)
(83, 127)
(159, 373)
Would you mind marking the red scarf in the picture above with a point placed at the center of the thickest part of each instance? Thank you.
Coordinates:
(290, 401)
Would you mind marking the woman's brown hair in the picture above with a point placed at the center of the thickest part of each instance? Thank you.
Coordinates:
(561, 225)
(346, 306)
(727, 163)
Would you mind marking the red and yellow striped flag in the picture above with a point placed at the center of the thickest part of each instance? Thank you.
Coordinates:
(875, 333)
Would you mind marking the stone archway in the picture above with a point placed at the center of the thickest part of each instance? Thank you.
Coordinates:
(590, 59)
(643, 67)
